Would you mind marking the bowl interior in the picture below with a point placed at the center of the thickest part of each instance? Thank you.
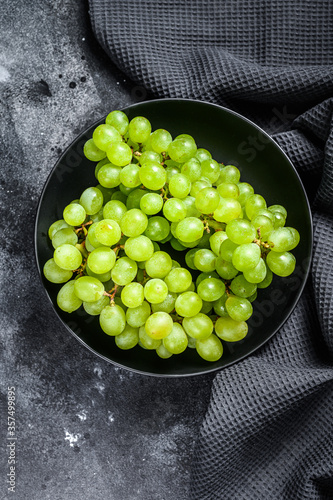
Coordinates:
(231, 139)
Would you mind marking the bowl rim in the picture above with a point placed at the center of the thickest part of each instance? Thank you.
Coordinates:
(207, 371)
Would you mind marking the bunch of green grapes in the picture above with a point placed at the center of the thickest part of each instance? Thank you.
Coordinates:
(153, 191)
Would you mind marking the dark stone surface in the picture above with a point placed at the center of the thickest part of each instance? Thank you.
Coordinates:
(85, 429)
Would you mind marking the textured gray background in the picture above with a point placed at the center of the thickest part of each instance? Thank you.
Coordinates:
(84, 428)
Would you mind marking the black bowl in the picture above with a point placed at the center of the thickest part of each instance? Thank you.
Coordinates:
(230, 138)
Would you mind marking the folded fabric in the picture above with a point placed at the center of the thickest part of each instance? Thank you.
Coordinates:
(268, 431)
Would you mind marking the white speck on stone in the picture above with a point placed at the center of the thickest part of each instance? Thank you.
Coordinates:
(72, 438)
(100, 387)
(98, 371)
(4, 74)
(110, 417)
(83, 39)
(82, 415)
(117, 83)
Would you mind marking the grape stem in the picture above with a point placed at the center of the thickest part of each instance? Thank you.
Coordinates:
(112, 294)
(82, 248)
(262, 243)
(117, 248)
(165, 192)
(83, 228)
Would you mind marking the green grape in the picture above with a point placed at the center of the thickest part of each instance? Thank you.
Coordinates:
(219, 306)
(74, 214)
(158, 228)
(229, 173)
(65, 235)
(279, 220)
(159, 325)
(137, 316)
(263, 225)
(67, 299)
(241, 287)
(267, 280)
(97, 217)
(207, 200)
(296, 236)
(88, 289)
(206, 307)
(280, 240)
(134, 198)
(124, 271)
(56, 226)
(119, 196)
(89, 247)
(162, 352)
(118, 120)
(204, 276)
(54, 273)
(159, 265)
(225, 269)
(211, 289)
(227, 249)
(197, 186)
(238, 308)
(210, 169)
(92, 200)
(92, 236)
(67, 257)
(176, 342)
(132, 295)
(189, 229)
(191, 209)
(246, 256)
(115, 210)
(160, 140)
(139, 129)
(100, 164)
(103, 277)
(171, 170)
(174, 210)
(147, 341)
(182, 149)
(151, 203)
(126, 190)
(199, 326)
(139, 248)
(253, 297)
(245, 190)
(204, 260)
(230, 330)
(119, 153)
(109, 175)
(281, 264)
(149, 156)
(240, 231)
(134, 223)
(107, 232)
(104, 135)
(128, 338)
(129, 176)
(202, 154)
(155, 291)
(256, 274)
(152, 175)
(192, 169)
(179, 186)
(216, 240)
(204, 241)
(92, 152)
(209, 349)
(253, 204)
(188, 304)
(178, 280)
(227, 210)
(112, 320)
(228, 190)
(95, 308)
(189, 258)
(101, 260)
(278, 208)
(167, 305)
